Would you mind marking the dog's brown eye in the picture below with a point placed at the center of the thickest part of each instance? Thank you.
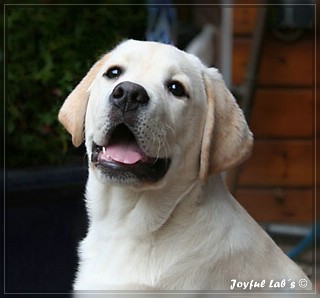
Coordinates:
(113, 72)
(177, 89)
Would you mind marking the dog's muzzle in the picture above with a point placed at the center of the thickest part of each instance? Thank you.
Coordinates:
(121, 158)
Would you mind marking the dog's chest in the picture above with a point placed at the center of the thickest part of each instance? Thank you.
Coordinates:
(120, 260)
(128, 259)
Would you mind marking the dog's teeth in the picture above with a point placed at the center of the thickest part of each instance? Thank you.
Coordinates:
(103, 149)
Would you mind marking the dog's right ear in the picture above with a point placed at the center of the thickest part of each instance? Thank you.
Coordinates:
(73, 111)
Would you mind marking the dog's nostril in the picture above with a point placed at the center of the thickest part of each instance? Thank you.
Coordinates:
(118, 92)
(141, 96)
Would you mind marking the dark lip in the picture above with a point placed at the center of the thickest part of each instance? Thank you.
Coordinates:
(151, 170)
(140, 171)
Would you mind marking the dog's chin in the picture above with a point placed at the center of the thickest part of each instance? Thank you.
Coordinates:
(148, 171)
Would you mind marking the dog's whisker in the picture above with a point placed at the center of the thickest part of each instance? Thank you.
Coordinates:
(171, 129)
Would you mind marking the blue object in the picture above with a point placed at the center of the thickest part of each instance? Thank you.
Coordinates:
(162, 22)
(306, 242)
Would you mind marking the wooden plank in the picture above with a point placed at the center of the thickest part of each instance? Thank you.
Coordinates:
(279, 163)
(278, 204)
(288, 63)
(244, 19)
(241, 51)
(283, 113)
(283, 63)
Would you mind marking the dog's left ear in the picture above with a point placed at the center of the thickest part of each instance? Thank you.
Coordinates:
(73, 111)
(227, 139)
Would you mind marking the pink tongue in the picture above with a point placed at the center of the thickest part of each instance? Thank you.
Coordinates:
(126, 153)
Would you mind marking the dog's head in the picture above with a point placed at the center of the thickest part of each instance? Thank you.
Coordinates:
(149, 110)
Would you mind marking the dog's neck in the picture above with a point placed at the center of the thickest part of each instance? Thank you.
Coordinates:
(141, 211)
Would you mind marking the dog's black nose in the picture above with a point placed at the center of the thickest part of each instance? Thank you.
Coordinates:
(129, 96)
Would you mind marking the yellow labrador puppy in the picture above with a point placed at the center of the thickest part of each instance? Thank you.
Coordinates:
(159, 128)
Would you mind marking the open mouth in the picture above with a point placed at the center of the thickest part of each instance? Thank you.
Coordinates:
(123, 159)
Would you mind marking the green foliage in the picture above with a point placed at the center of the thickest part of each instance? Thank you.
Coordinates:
(48, 50)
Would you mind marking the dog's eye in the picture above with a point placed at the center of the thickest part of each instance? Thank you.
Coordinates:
(113, 72)
(177, 89)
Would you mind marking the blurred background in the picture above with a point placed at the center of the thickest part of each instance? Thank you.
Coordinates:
(267, 56)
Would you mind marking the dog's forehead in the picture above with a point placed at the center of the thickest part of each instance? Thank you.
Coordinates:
(153, 53)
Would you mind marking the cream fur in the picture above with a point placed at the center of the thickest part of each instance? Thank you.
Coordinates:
(186, 231)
